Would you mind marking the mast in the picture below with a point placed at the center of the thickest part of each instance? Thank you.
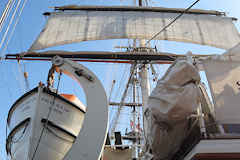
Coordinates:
(145, 90)
(144, 83)
(134, 153)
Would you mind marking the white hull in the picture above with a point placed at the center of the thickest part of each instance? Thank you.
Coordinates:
(27, 118)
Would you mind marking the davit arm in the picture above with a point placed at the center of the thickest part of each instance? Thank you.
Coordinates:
(89, 144)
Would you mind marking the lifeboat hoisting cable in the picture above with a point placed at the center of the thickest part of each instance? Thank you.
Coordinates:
(51, 74)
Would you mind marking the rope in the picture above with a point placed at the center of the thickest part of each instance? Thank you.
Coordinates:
(176, 18)
(10, 22)
(119, 90)
(21, 82)
(49, 113)
(5, 14)
(122, 100)
(14, 27)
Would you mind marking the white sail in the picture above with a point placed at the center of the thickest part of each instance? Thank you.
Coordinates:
(83, 25)
(233, 52)
(223, 77)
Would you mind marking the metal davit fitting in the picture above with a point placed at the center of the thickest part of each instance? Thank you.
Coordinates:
(89, 143)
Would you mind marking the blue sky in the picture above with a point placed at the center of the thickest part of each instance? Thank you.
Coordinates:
(31, 23)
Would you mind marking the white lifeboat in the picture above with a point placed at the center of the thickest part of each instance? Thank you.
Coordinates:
(44, 125)
(59, 117)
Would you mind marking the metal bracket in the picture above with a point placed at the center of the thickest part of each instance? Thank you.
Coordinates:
(57, 61)
(90, 142)
(81, 72)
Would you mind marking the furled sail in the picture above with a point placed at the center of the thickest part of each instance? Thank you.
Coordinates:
(223, 76)
(105, 23)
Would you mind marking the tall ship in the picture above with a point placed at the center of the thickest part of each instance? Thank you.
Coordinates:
(131, 101)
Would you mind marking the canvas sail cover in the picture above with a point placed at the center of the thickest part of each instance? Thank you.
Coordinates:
(223, 76)
(172, 101)
(84, 25)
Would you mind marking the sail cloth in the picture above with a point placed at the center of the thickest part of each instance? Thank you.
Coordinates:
(223, 76)
(233, 52)
(84, 25)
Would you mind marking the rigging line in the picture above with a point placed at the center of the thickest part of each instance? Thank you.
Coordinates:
(169, 24)
(121, 81)
(146, 2)
(115, 67)
(4, 81)
(109, 100)
(111, 90)
(120, 88)
(108, 76)
(20, 79)
(47, 119)
(8, 40)
(122, 99)
(6, 13)
(9, 24)
(14, 26)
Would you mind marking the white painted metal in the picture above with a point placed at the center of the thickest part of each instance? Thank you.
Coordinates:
(215, 146)
(90, 141)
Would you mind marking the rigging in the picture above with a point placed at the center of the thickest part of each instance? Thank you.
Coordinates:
(176, 18)
(10, 23)
(6, 13)
(14, 27)
(47, 119)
